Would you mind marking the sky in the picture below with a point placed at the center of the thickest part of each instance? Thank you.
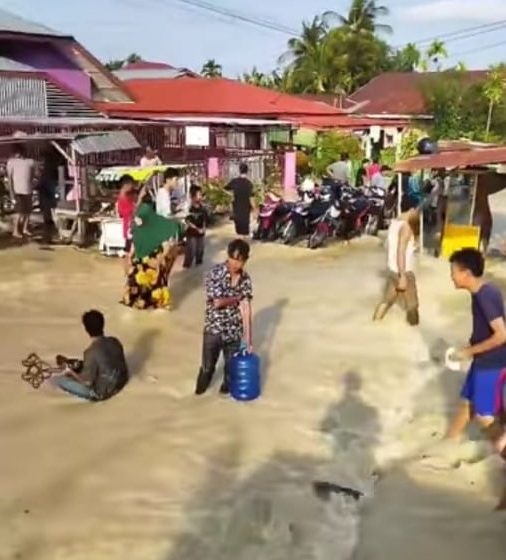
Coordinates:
(171, 31)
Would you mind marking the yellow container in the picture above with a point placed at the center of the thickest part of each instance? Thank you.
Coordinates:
(459, 237)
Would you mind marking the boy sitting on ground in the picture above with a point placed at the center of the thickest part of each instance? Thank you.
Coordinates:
(103, 372)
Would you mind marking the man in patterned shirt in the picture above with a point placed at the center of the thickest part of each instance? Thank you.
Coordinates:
(228, 314)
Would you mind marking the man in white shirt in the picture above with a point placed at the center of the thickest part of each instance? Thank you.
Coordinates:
(20, 174)
(163, 202)
(150, 158)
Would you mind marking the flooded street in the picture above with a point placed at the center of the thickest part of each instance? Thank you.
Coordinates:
(159, 474)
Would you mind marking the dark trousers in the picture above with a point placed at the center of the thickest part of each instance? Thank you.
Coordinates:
(212, 347)
(194, 250)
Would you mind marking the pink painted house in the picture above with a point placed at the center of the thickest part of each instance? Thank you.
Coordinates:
(44, 73)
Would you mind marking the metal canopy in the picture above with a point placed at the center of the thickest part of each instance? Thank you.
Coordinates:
(456, 158)
(112, 141)
(84, 143)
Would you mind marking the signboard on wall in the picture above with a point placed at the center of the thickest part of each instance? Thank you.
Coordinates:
(197, 136)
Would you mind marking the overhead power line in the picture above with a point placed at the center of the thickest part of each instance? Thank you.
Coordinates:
(253, 20)
(464, 33)
(482, 48)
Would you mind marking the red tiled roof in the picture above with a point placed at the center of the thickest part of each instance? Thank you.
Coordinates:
(147, 65)
(400, 93)
(213, 97)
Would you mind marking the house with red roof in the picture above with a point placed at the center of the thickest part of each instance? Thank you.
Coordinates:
(400, 95)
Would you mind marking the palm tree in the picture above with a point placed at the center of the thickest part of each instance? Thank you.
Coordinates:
(299, 48)
(132, 58)
(362, 17)
(494, 89)
(256, 78)
(307, 57)
(437, 51)
(282, 80)
(212, 69)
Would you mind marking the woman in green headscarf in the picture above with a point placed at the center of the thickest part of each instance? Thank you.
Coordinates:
(155, 248)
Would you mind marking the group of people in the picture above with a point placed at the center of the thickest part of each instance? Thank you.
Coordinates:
(370, 173)
(24, 176)
(483, 395)
(153, 234)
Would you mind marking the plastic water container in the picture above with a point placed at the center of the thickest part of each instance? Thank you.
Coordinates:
(245, 376)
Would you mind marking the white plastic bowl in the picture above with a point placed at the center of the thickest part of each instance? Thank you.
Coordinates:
(450, 362)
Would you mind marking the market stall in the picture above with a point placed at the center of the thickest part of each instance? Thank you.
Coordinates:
(76, 201)
(470, 174)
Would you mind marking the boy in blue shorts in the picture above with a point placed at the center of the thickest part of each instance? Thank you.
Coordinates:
(483, 388)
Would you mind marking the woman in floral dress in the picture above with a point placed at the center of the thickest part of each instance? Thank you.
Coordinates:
(155, 243)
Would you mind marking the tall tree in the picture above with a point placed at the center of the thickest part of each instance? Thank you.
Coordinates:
(494, 90)
(211, 69)
(362, 17)
(407, 59)
(117, 64)
(436, 52)
(307, 57)
(257, 78)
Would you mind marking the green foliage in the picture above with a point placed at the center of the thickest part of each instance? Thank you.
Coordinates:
(465, 111)
(330, 147)
(406, 59)
(211, 69)
(336, 60)
(216, 196)
(117, 64)
(409, 142)
(387, 157)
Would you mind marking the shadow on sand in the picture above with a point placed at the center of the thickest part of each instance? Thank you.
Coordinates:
(265, 325)
(293, 507)
(141, 352)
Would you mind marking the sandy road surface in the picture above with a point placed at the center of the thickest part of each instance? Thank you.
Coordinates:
(157, 474)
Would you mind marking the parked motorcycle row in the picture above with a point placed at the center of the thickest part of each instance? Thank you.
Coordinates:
(329, 211)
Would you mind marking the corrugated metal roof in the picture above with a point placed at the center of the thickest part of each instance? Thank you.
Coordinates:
(8, 65)
(113, 141)
(83, 142)
(150, 74)
(213, 97)
(453, 159)
(13, 23)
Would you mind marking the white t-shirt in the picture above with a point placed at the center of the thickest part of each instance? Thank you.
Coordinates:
(147, 162)
(394, 232)
(163, 206)
(20, 172)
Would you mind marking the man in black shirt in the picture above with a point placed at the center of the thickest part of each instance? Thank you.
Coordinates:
(243, 201)
(196, 222)
(103, 371)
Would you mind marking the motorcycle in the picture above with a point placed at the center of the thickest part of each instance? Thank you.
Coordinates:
(302, 218)
(375, 218)
(329, 224)
(270, 218)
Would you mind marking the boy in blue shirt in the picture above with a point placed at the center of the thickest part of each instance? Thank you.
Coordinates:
(482, 393)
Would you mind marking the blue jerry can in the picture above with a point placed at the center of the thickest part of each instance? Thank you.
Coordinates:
(245, 376)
